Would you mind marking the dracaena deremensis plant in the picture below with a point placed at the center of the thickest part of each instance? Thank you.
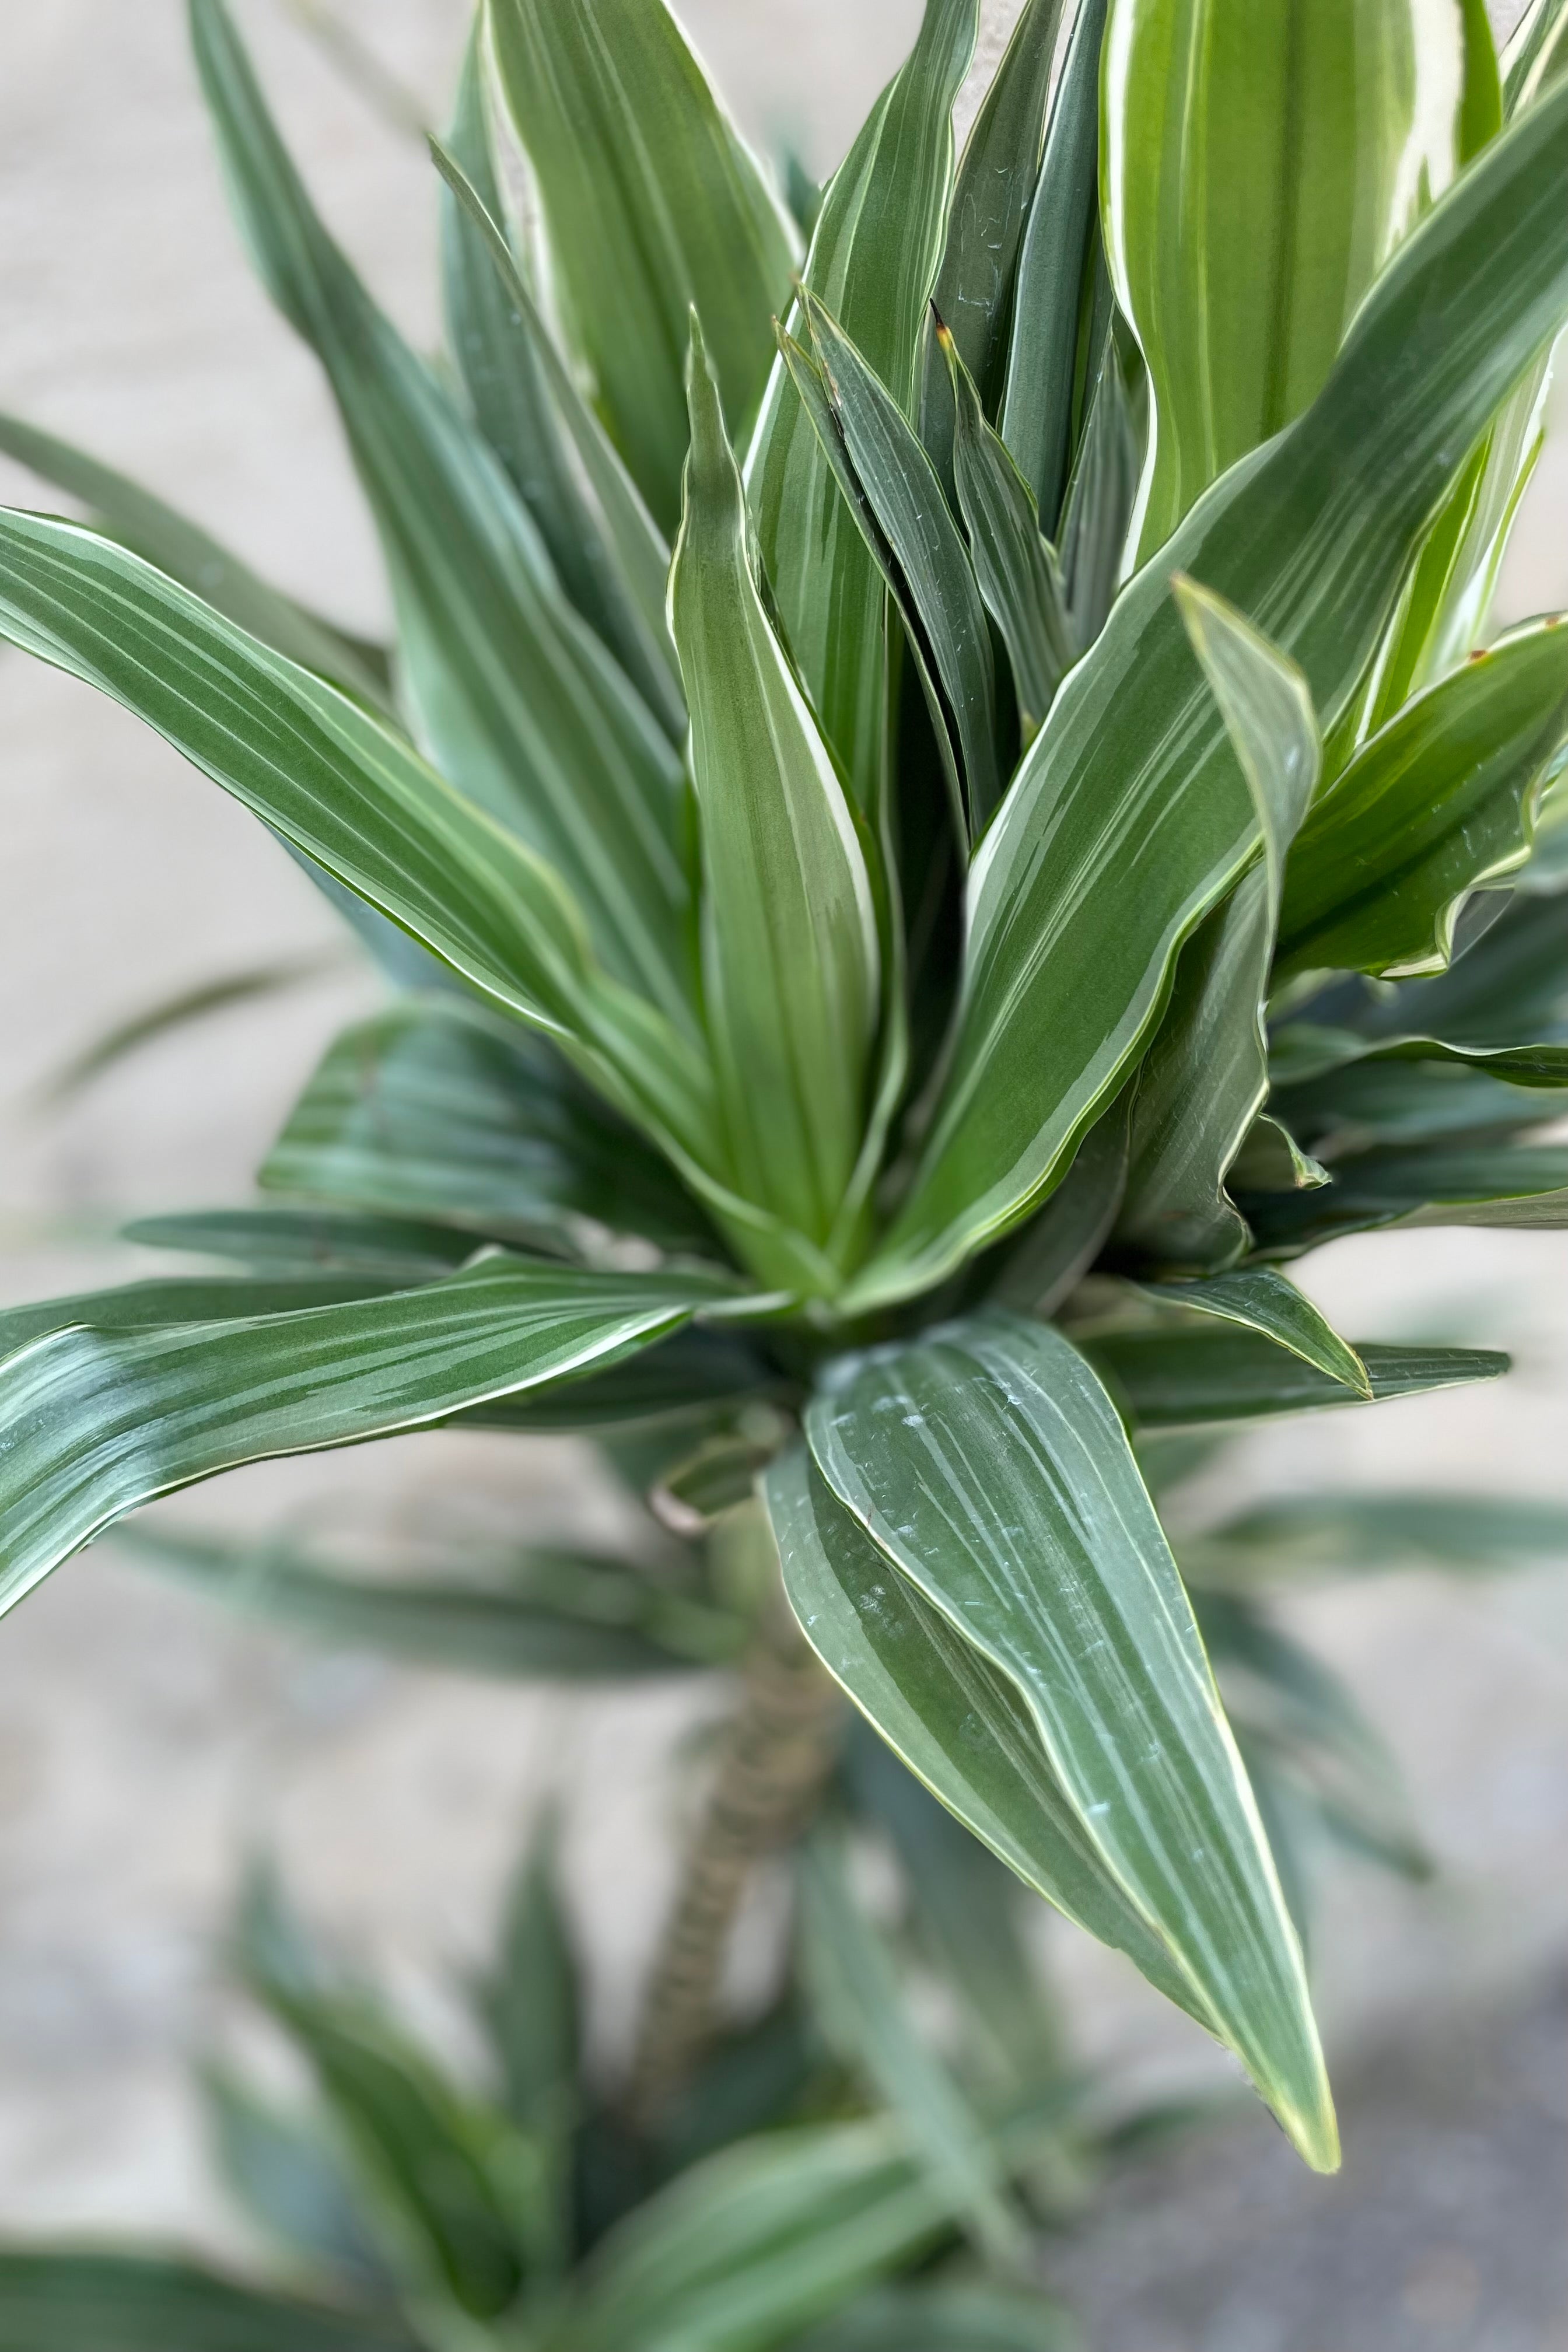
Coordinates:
(941, 808)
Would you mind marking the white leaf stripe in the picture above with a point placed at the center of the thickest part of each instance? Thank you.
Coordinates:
(93, 1422)
(958, 1723)
(988, 1464)
(353, 796)
(1129, 797)
(523, 705)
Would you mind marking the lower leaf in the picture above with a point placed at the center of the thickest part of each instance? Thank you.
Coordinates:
(987, 1465)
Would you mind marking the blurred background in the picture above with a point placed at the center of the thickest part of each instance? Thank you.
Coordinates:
(146, 1741)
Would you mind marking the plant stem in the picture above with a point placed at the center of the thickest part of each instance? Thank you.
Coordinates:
(775, 1753)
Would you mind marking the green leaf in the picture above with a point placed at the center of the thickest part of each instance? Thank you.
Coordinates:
(1101, 492)
(958, 1722)
(519, 701)
(1304, 1055)
(436, 1108)
(900, 487)
(859, 2000)
(1446, 602)
(942, 2318)
(96, 1421)
(1509, 983)
(789, 947)
(352, 795)
(1184, 1380)
(1523, 1186)
(681, 1382)
(1130, 818)
(281, 2169)
(1259, 1298)
(1313, 1730)
(1536, 55)
(1257, 173)
(809, 378)
(1205, 1077)
(439, 2170)
(652, 202)
(1038, 1269)
(125, 511)
(1435, 802)
(872, 265)
(987, 1463)
(750, 2078)
(1305, 1536)
(1054, 270)
(992, 196)
(145, 1305)
(540, 1615)
(756, 2244)
(1015, 565)
(1480, 105)
(89, 2302)
(1378, 1101)
(156, 1021)
(296, 1242)
(606, 548)
(965, 1910)
(529, 2001)
(1271, 1160)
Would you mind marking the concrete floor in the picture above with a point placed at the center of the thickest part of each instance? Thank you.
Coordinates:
(142, 1739)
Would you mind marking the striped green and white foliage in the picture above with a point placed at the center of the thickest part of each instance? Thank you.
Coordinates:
(941, 806)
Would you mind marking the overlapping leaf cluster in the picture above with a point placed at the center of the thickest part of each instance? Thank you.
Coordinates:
(943, 805)
(407, 2207)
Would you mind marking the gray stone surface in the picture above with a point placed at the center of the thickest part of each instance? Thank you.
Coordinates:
(143, 1741)
(1444, 2233)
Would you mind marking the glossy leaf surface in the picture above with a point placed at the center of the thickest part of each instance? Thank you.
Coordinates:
(1204, 1078)
(652, 202)
(873, 262)
(353, 796)
(993, 191)
(1258, 173)
(96, 1421)
(901, 489)
(987, 1464)
(142, 1306)
(514, 694)
(1184, 1380)
(1015, 565)
(1056, 262)
(1436, 802)
(605, 546)
(435, 1109)
(790, 948)
(1308, 537)
(959, 1723)
(1259, 1298)
(181, 547)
